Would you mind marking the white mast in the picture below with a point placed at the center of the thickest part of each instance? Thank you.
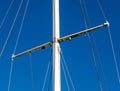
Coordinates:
(56, 47)
(56, 54)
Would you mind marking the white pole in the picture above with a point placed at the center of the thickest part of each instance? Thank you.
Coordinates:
(56, 54)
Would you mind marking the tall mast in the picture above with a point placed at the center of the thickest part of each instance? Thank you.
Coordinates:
(56, 54)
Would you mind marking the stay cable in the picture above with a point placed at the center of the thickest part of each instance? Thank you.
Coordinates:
(11, 28)
(6, 14)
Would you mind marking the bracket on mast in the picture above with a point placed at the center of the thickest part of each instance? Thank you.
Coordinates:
(63, 39)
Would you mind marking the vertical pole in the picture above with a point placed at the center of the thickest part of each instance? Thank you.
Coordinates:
(56, 54)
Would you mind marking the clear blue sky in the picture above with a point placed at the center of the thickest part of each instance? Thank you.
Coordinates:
(37, 29)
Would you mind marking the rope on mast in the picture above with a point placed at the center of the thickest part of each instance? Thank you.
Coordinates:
(11, 28)
(111, 41)
(95, 44)
(21, 26)
(92, 51)
(83, 14)
(95, 63)
(114, 55)
(101, 9)
(100, 62)
(11, 66)
(6, 14)
(86, 13)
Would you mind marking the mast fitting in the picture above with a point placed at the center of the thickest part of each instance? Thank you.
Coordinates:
(107, 23)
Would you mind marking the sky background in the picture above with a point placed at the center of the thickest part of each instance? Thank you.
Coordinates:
(37, 29)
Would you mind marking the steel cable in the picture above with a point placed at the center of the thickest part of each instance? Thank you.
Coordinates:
(101, 9)
(6, 14)
(111, 41)
(46, 76)
(65, 76)
(21, 26)
(92, 51)
(95, 64)
(67, 70)
(5, 43)
(10, 77)
(95, 44)
(114, 55)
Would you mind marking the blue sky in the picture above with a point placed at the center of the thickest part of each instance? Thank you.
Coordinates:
(37, 29)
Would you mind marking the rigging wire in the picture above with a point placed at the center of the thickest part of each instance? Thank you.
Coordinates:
(64, 63)
(65, 76)
(11, 28)
(95, 64)
(21, 26)
(46, 76)
(67, 69)
(92, 50)
(86, 13)
(83, 14)
(101, 9)
(31, 70)
(6, 14)
(51, 72)
(10, 77)
(114, 55)
(111, 41)
(95, 44)
(100, 62)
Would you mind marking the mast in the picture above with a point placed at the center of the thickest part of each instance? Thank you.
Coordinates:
(56, 54)
(56, 44)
